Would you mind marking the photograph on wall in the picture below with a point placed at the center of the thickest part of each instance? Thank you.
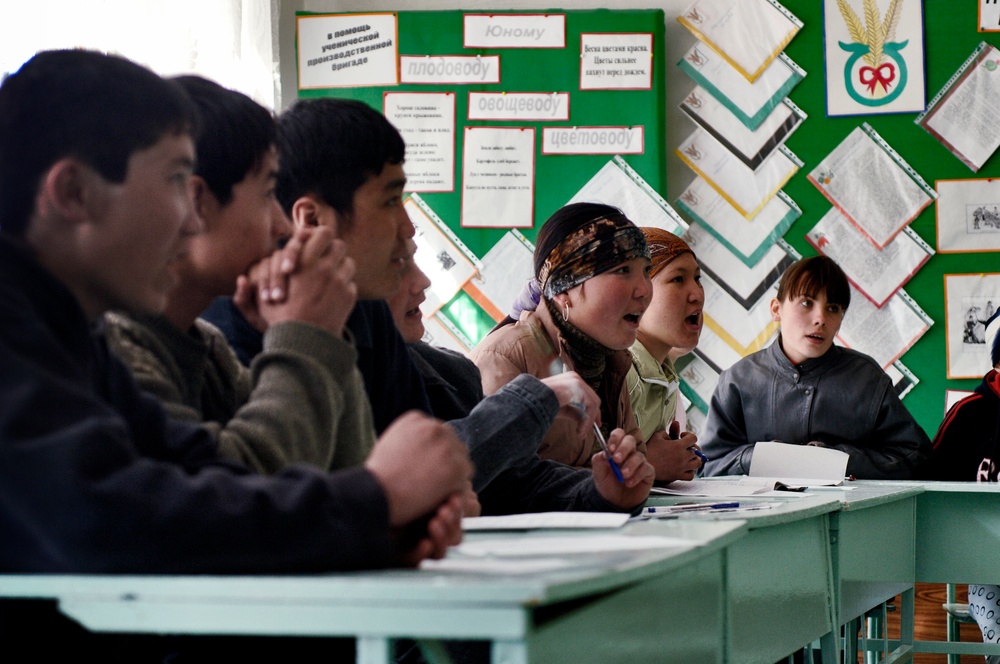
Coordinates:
(970, 300)
(968, 215)
(874, 56)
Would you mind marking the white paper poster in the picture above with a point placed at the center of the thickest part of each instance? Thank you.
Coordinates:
(874, 56)
(962, 115)
(514, 30)
(877, 273)
(621, 61)
(449, 69)
(347, 50)
(593, 140)
(883, 333)
(498, 177)
(426, 121)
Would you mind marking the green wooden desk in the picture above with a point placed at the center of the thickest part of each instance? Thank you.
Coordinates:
(958, 536)
(873, 538)
(781, 593)
(664, 605)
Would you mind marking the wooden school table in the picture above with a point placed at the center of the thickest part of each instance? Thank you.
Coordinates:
(780, 585)
(663, 605)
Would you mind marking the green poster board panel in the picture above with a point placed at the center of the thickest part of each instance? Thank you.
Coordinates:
(467, 318)
(557, 177)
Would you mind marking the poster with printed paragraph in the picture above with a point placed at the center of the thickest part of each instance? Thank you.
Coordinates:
(498, 177)
(345, 50)
(427, 122)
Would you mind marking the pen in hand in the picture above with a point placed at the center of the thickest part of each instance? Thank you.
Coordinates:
(556, 367)
(674, 433)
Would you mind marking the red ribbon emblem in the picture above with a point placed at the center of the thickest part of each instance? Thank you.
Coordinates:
(871, 76)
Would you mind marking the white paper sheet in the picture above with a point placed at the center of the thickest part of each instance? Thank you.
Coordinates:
(620, 185)
(872, 186)
(746, 189)
(745, 284)
(616, 61)
(752, 146)
(698, 381)
(516, 547)
(541, 520)
(507, 267)
(883, 333)
(745, 331)
(750, 102)
(328, 48)
(750, 240)
(748, 33)
(962, 115)
(877, 273)
(801, 465)
(722, 487)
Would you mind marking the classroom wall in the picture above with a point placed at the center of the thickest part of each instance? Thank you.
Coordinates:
(230, 41)
(950, 36)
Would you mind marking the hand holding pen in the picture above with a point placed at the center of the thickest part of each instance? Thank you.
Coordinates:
(675, 434)
(674, 454)
(583, 399)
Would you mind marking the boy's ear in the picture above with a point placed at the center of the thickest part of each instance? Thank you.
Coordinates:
(775, 309)
(203, 197)
(308, 211)
(68, 190)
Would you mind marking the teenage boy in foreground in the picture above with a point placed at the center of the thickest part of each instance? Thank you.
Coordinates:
(96, 157)
(342, 168)
(304, 400)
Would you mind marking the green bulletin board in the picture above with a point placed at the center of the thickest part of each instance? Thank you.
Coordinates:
(557, 177)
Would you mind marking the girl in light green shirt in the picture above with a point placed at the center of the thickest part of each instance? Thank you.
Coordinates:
(669, 328)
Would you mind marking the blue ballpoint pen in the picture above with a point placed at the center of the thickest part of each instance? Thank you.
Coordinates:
(604, 446)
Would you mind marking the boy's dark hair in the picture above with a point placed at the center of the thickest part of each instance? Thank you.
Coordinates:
(236, 134)
(95, 107)
(811, 276)
(330, 147)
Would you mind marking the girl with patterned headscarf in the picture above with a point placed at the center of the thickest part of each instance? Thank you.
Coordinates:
(670, 327)
(591, 267)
